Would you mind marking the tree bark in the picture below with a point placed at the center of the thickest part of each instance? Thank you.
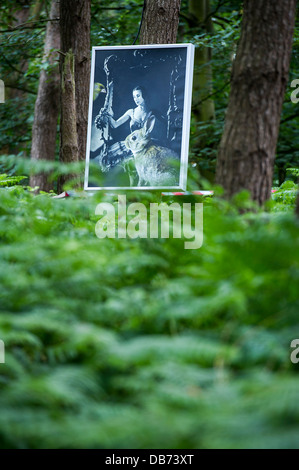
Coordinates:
(75, 37)
(258, 83)
(69, 147)
(160, 22)
(47, 104)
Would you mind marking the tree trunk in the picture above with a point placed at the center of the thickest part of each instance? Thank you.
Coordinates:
(204, 109)
(75, 37)
(297, 206)
(259, 78)
(37, 9)
(160, 22)
(69, 147)
(47, 104)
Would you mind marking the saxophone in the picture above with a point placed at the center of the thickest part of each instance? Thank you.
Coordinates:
(101, 120)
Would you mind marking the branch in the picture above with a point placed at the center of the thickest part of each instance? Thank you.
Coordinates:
(220, 18)
(12, 66)
(220, 4)
(220, 24)
(191, 19)
(17, 87)
(212, 94)
(107, 29)
(112, 8)
(289, 118)
(194, 22)
(26, 25)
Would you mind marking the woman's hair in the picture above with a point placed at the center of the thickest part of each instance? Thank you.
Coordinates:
(143, 91)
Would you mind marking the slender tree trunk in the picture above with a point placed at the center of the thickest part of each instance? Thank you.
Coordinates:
(160, 22)
(47, 104)
(69, 140)
(297, 206)
(37, 8)
(259, 78)
(204, 109)
(75, 37)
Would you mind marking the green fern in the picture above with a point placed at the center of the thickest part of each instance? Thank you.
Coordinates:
(6, 180)
(142, 344)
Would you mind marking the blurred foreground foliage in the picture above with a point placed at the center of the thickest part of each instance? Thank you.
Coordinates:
(121, 343)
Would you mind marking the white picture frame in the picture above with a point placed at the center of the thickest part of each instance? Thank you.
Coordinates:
(139, 117)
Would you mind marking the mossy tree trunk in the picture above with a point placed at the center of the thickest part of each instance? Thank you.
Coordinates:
(258, 83)
(75, 37)
(46, 112)
(69, 147)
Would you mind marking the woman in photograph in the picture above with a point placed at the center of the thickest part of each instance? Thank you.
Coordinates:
(118, 153)
(137, 115)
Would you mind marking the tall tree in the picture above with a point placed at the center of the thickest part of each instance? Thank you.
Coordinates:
(160, 21)
(258, 83)
(69, 148)
(47, 104)
(75, 38)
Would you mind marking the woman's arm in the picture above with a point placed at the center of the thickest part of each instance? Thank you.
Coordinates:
(124, 118)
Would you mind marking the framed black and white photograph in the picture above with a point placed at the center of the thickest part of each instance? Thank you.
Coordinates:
(139, 117)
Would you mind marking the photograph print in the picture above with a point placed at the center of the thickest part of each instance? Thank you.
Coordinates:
(139, 117)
